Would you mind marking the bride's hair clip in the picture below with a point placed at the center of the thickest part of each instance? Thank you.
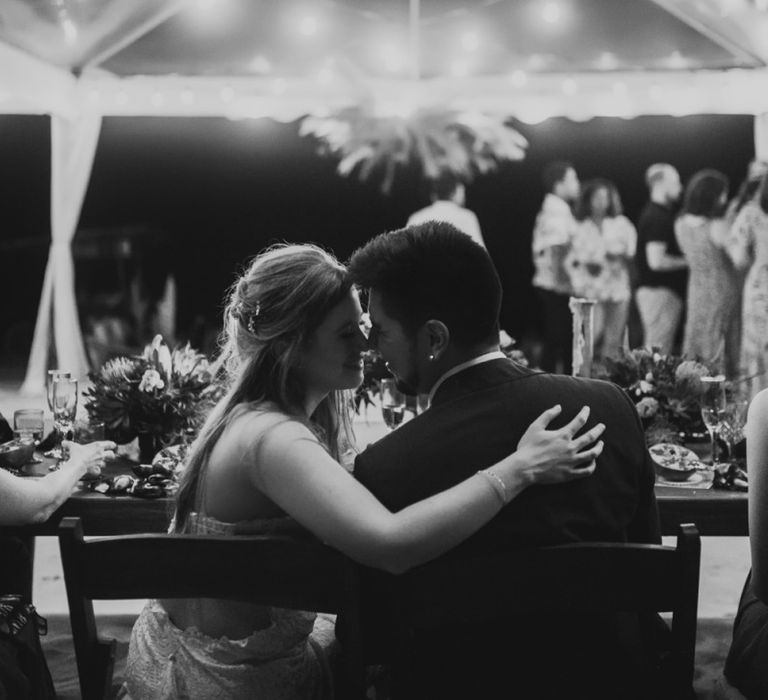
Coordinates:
(247, 319)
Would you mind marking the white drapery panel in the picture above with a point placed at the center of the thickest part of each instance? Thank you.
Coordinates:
(761, 136)
(73, 145)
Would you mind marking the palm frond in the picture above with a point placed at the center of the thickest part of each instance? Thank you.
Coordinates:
(374, 147)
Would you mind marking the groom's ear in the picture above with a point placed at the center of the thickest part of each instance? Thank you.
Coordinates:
(438, 337)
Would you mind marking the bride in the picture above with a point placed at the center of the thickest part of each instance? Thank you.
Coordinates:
(270, 453)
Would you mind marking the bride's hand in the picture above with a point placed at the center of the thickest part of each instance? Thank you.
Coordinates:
(554, 456)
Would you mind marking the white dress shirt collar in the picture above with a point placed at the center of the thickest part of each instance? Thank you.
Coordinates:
(487, 357)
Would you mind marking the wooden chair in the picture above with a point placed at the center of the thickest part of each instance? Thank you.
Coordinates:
(281, 571)
(583, 578)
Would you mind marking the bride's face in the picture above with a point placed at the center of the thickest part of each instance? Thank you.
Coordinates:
(333, 358)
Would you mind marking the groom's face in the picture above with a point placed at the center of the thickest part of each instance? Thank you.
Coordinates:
(397, 347)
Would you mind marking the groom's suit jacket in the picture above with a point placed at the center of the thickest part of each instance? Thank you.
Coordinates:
(476, 418)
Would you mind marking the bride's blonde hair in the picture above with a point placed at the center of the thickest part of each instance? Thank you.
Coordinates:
(272, 311)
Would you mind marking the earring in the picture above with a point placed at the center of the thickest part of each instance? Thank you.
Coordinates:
(431, 358)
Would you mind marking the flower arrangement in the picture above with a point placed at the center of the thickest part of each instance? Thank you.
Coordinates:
(666, 391)
(162, 393)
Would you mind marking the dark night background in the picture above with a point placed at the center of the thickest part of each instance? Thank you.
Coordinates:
(221, 190)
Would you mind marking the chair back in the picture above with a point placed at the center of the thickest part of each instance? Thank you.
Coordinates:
(291, 572)
(578, 578)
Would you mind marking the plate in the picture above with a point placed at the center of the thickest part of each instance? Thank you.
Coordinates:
(674, 462)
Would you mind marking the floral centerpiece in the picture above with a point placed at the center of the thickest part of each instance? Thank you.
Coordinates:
(666, 391)
(161, 395)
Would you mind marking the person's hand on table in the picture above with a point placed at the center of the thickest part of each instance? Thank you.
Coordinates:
(91, 457)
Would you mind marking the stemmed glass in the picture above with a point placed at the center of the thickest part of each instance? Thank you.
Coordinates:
(53, 374)
(713, 407)
(392, 403)
(64, 402)
(732, 423)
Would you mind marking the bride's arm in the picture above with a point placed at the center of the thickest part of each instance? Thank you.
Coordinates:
(299, 476)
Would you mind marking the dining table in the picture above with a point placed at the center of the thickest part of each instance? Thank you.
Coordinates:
(716, 512)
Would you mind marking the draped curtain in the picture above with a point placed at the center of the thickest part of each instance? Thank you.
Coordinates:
(761, 137)
(73, 145)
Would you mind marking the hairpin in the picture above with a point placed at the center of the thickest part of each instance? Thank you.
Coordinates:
(247, 319)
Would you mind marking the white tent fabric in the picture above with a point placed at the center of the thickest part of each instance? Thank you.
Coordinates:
(73, 145)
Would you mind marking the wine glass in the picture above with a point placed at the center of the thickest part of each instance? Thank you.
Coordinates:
(52, 375)
(392, 403)
(713, 407)
(28, 427)
(732, 423)
(64, 402)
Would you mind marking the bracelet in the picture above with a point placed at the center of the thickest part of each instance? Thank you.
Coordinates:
(497, 483)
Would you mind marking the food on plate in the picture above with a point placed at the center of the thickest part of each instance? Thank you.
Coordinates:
(674, 462)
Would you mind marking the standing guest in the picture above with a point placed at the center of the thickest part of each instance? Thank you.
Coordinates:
(292, 349)
(448, 197)
(714, 287)
(434, 300)
(552, 236)
(603, 246)
(746, 667)
(661, 266)
(748, 189)
(748, 247)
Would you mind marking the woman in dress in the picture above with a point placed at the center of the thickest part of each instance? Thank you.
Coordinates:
(747, 245)
(747, 664)
(292, 348)
(603, 245)
(714, 286)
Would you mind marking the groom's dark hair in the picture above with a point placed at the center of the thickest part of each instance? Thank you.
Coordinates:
(433, 271)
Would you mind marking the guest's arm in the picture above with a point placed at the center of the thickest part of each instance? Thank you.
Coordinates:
(24, 501)
(757, 463)
(293, 470)
(660, 260)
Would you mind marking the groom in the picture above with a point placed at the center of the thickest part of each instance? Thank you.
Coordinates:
(434, 302)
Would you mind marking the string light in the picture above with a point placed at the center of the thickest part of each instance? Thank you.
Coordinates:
(551, 12)
(459, 69)
(308, 26)
(518, 78)
(187, 96)
(227, 93)
(607, 61)
(261, 64)
(157, 99)
(569, 86)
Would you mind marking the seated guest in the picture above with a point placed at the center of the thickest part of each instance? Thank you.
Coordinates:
(434, 300)
(28, 501)
(292, 347)
(747, 664)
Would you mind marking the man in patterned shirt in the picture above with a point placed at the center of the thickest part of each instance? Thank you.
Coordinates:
(552, 236)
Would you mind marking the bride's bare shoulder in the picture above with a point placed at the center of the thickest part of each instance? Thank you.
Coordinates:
(253, 424)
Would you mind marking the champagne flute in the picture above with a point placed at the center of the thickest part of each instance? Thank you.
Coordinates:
(732, 424)
(713, 407)
(392, 403)
(53, 374)
(64, 401)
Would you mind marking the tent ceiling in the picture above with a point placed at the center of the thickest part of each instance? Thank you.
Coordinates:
(255, 37)
(531, 58)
